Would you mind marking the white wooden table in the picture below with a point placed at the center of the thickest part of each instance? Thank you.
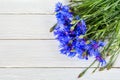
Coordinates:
(29, 52)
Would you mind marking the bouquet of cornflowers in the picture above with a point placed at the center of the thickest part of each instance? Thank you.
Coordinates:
(88, 28)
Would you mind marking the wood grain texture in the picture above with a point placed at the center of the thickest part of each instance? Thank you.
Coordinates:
(28, 6)
(29, 52)
(55, 74)
(26, 26)
(37, 53)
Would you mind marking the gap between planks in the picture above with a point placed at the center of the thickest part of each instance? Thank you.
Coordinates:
(27, 13)
(58, 67)
(29, 39)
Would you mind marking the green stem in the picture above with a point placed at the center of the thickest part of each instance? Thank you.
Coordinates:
(82, 73)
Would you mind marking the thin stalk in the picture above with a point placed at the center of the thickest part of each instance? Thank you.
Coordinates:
(82, 73)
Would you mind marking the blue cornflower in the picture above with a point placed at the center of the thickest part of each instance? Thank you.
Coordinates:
(72, 34)
(80, 29)
(101, 60)
(63, 15)
(93, 49)
(66, 8)
(61, 36)
(58, 7)
(80, 48)
(69, 39)
(72, 54)
(65, 49)
(96, 44)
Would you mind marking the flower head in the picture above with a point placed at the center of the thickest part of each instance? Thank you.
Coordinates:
(93, 49)
(70, 42)
(80, 29)
(58, 7)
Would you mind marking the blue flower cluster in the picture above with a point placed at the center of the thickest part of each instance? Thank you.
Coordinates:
(70, 36)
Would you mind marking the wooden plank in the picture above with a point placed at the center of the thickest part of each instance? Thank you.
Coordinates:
(28, 6)
(37, 53)
(26, 26)
(55, 74)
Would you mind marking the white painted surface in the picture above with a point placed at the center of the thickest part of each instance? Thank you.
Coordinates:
(36, 53)
(55, 74)
(28, 6)
(26, 26)
(27, 51)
